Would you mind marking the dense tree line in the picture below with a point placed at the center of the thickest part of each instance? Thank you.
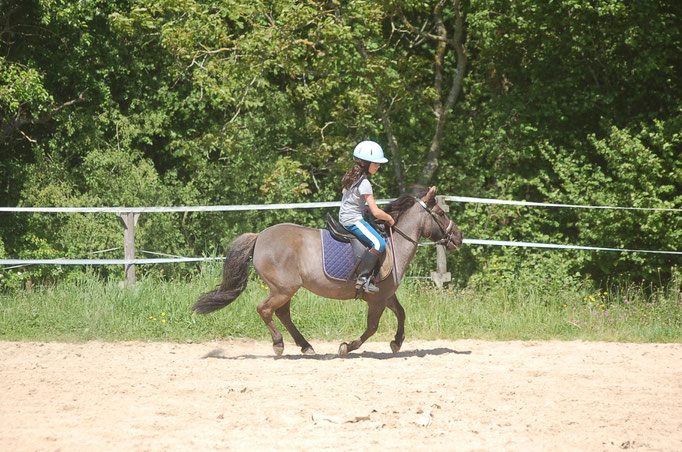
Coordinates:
(197, 102)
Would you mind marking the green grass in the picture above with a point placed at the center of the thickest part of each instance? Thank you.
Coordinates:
(515, 309)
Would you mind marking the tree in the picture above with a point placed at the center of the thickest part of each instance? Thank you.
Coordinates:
(444, 95)
(244, 102)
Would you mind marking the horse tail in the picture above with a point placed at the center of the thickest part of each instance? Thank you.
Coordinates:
(235, 276)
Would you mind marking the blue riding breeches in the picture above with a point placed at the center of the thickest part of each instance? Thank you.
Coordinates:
(367, 235)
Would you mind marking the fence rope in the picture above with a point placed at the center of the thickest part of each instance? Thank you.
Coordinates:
(24, 262)
(466, 199)
(251, 207)
(307, 205)
(563, 247)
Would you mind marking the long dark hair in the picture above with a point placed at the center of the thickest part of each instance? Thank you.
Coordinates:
(361, 168)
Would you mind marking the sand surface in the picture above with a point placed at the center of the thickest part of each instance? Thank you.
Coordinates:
(236, 395)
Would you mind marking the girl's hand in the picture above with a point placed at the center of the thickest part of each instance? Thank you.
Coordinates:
(377, 212)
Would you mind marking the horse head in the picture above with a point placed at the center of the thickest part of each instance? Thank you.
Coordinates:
(438, 227)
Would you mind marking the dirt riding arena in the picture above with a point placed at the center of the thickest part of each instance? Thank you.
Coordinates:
(236, 395)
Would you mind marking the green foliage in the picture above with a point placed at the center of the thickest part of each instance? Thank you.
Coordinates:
(21, 89)
(184, 102)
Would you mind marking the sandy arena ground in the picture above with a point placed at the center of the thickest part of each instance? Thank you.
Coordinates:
(236, 395)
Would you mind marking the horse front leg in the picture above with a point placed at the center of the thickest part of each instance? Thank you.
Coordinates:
(374, 312)
(394, 305)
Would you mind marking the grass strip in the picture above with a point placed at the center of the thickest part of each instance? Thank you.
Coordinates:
(89, 308)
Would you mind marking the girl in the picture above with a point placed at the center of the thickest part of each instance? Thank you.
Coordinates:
(357, 192)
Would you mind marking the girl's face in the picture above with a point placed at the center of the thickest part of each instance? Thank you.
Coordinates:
(374, 167)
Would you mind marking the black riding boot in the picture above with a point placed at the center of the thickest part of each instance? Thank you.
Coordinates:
(365, 270)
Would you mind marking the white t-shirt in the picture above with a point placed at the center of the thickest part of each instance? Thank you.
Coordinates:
(353, 202)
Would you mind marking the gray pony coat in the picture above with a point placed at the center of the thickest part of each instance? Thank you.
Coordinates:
(288, 256)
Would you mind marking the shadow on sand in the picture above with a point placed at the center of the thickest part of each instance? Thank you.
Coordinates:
(219, 353)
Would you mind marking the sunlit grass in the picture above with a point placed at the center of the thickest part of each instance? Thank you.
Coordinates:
(515, 309)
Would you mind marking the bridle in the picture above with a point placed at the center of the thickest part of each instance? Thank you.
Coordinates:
(446, 233)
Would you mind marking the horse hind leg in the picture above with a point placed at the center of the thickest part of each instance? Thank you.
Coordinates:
(374, 312)
(271, 303)
(284, 315)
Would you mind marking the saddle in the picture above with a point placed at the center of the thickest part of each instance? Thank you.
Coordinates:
(341, 253)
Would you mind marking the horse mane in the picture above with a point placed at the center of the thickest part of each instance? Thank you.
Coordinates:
(400, 205)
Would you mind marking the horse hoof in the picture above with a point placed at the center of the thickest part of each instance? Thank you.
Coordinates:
(278, 348)
(395, 348)
(343, 349)
(308, 351)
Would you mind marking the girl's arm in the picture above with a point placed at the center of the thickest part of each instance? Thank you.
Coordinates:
(377, 212)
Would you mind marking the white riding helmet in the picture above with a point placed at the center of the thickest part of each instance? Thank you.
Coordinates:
(370, 152)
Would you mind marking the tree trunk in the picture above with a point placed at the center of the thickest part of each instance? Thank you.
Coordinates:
(440, 108)
(392, 143)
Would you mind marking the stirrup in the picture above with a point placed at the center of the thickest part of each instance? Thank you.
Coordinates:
(366, 285)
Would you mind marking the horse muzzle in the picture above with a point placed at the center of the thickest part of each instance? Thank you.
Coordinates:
(454, 240)
(451, 238)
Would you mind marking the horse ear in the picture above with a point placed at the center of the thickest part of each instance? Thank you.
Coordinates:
(430, 195)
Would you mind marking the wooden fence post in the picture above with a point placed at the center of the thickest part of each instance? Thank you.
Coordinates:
(129, 220)
(441, 275)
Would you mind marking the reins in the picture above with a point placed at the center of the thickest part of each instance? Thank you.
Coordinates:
(395, 257)
(409, 239)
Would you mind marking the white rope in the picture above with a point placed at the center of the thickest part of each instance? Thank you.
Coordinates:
(21, 262)
(563, 247)
(545, 204)
(106, 251)
(551, 246)
(176, 259)
(308, 205)
(160, 254)
(305, 205)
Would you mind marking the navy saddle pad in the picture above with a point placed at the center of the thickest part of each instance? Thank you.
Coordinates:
(337, 257)
(338, 260)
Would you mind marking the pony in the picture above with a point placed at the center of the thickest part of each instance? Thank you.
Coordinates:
(289, 256)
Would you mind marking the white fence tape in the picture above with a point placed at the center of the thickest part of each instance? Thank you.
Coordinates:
(305, 205)
(546, 204)
(313, 205)
(21, 262)
(562, 247)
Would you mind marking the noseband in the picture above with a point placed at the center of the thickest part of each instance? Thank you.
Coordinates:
(446, 233)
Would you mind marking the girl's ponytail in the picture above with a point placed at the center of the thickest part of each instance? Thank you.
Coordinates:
(361, 168)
